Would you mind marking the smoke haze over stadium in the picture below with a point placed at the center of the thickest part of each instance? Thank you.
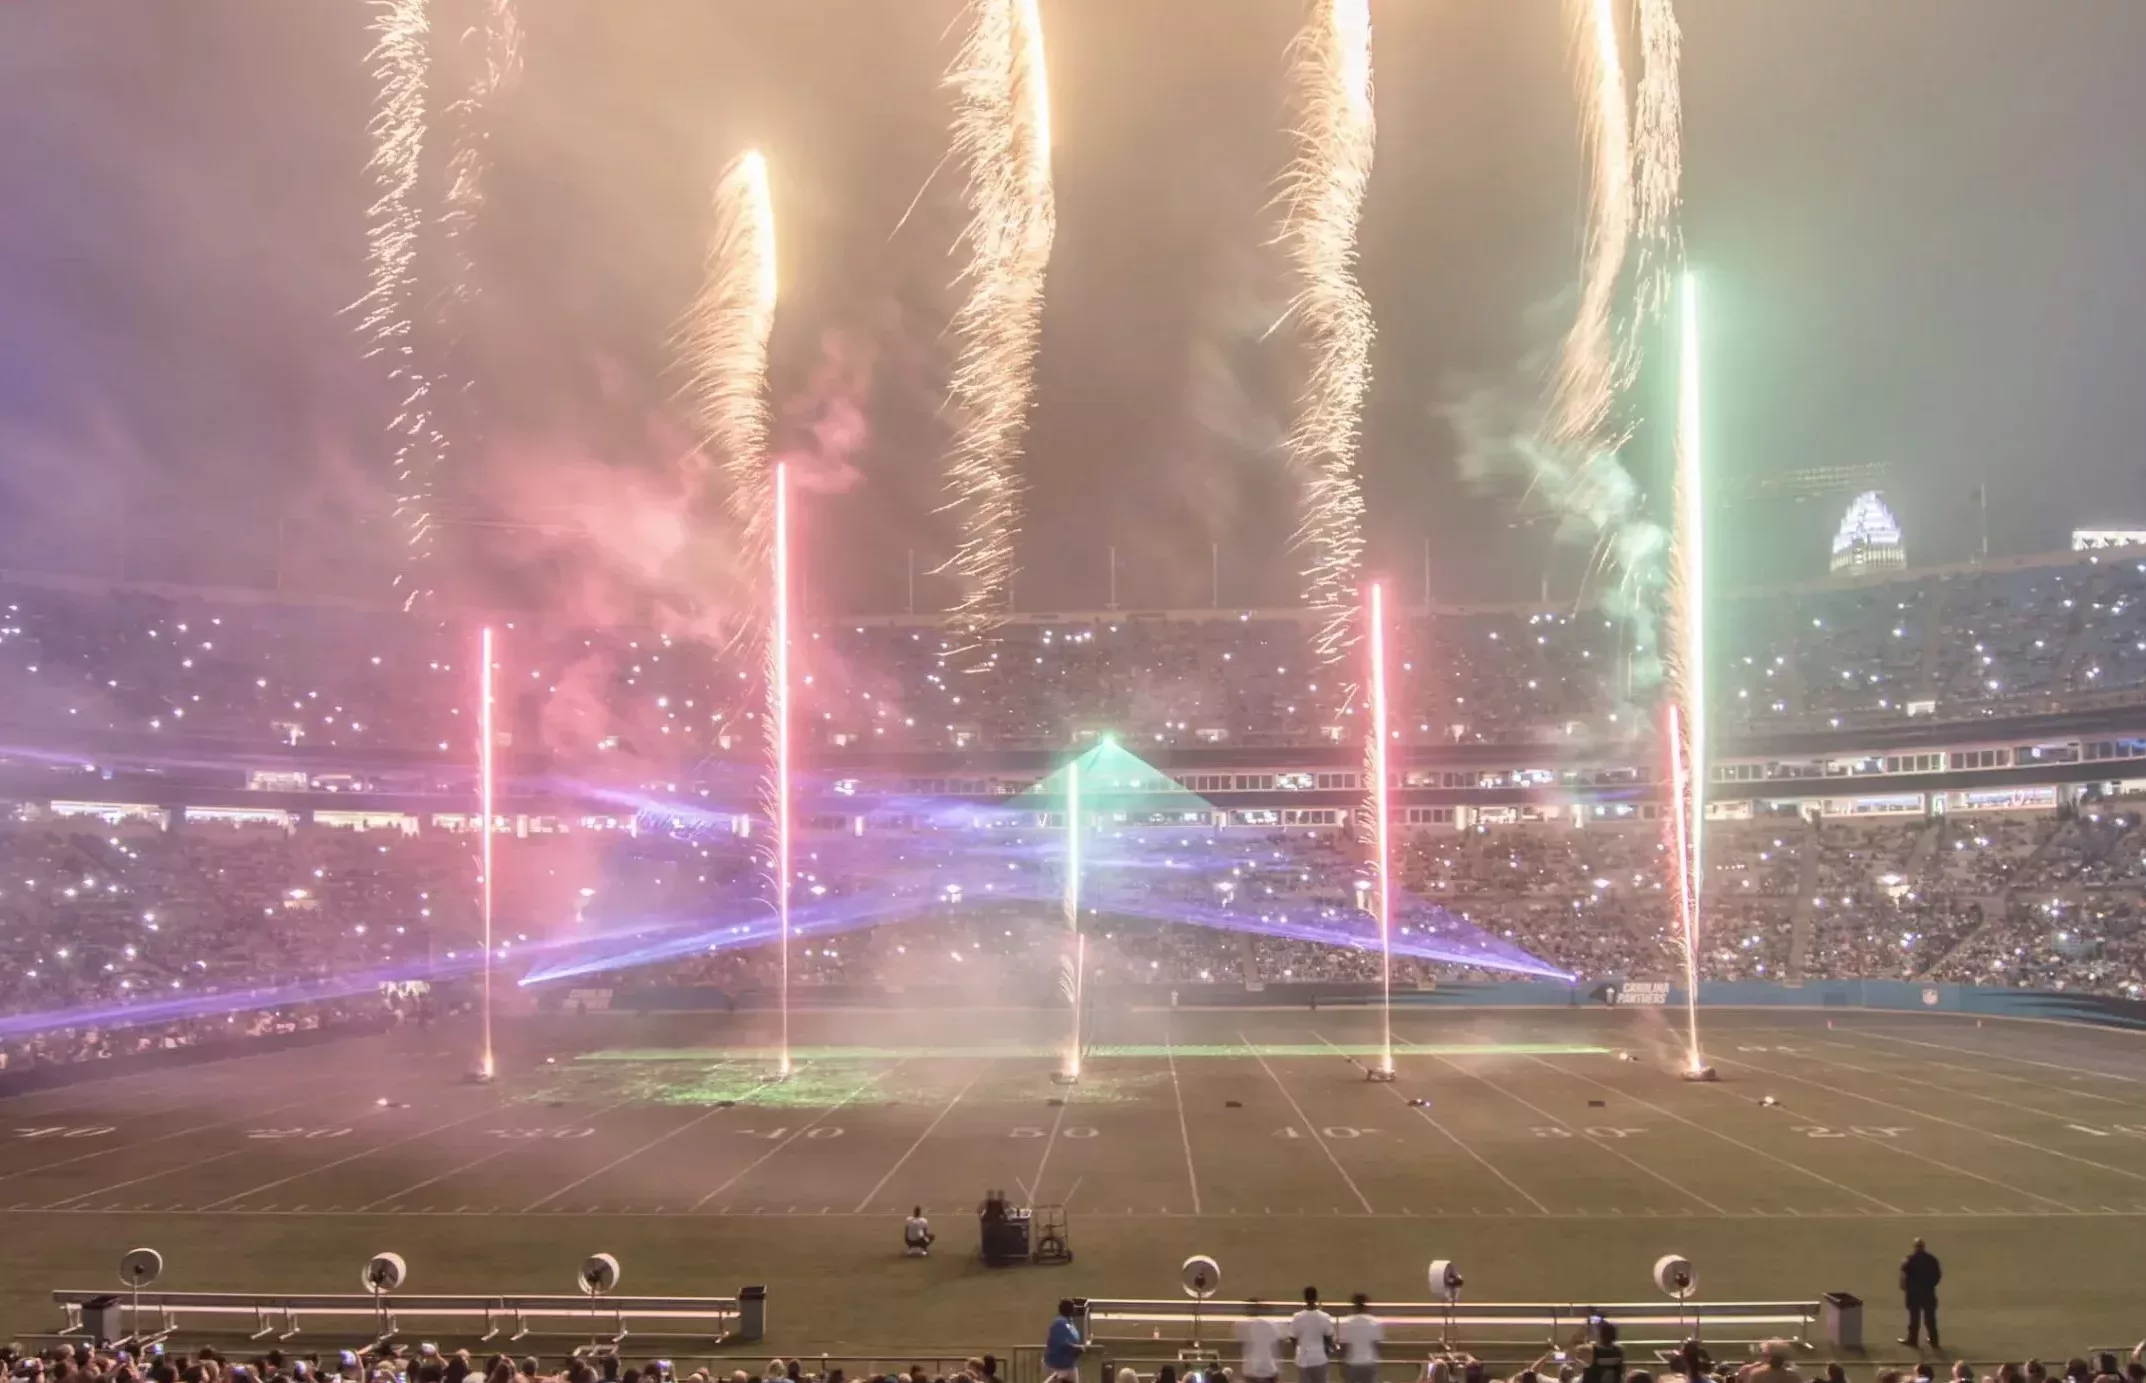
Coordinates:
(1917, 233)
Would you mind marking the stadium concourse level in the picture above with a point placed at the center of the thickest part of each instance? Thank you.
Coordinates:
(106, 919)
(80, 658)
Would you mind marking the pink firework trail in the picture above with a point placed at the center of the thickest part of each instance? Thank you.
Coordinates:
(778, 697)
(485, 742)
(1381, 812)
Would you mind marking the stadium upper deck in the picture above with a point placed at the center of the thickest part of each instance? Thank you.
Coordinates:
(2027, 637)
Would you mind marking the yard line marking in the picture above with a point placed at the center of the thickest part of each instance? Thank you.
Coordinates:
(1600, 1143)
(221, 1065)
(147, 1142)
(2035, 1110)
(1192, 1178)
(1075, 1190)
(1308, 1124)
(192, 1099)
(1924, 1157)
(151, 1176)
(695, 1122)
(1796, 1167)
(657, 1141)
(1049, 1143)
(929, 1129)
(2005, 1056)
(481, 1113)
(1986, 1074)
(510, 1146)
(2042, 1148)
(66, 1201)
(816, 1122)
(1486, 1164)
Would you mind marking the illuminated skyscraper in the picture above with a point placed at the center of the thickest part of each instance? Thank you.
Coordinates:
(1869, 538)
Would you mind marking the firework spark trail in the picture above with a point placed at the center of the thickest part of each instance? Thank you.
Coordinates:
(724, 343)
(1686, 659)
(1335, 135)
(400, 61)
(500, 42)
(1659, 153)
(1002, 133)
(1595, 364)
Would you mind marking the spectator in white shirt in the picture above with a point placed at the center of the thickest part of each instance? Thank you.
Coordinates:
(1313, 1331)
(1260, 1337)
(1360, 1333)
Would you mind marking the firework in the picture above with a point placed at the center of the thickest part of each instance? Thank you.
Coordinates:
(778, 708)
(1687, 656)
(1380, 806)
(400, 60)
(1659, 152)
(484, 847)
(1594, 366)
(725, 345)
(499, 43)
(1002, 133)
(1324, 192)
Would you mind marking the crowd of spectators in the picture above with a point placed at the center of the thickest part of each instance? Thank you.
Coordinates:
(98, 921)
(255, 670)
(113, 914)
(1772, 1362)
(117, 940)
(82, 1362)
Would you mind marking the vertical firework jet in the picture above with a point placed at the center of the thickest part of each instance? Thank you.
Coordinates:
(1595, 365)
(1380, 805)
(400, 60)
(724, 342)
(1335, 134)
(1687, 656)
(1002, 133)
(485, 743)
(724, 345)
(778, 714)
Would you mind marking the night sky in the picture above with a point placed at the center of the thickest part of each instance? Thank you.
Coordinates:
(1919, 222)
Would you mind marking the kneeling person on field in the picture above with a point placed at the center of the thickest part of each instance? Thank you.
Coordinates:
(916, 1234)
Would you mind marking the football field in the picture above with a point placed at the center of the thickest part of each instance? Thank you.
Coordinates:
(1553, 1153)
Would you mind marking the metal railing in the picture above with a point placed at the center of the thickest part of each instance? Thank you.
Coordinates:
(278, 1315)
(1442, 1325)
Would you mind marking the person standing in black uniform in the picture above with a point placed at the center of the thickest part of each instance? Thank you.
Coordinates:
(1920, 1273)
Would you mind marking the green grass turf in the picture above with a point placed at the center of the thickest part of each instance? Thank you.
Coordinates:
(2019, 1151)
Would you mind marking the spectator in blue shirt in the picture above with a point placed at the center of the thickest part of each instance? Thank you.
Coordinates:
(1062, 1347)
